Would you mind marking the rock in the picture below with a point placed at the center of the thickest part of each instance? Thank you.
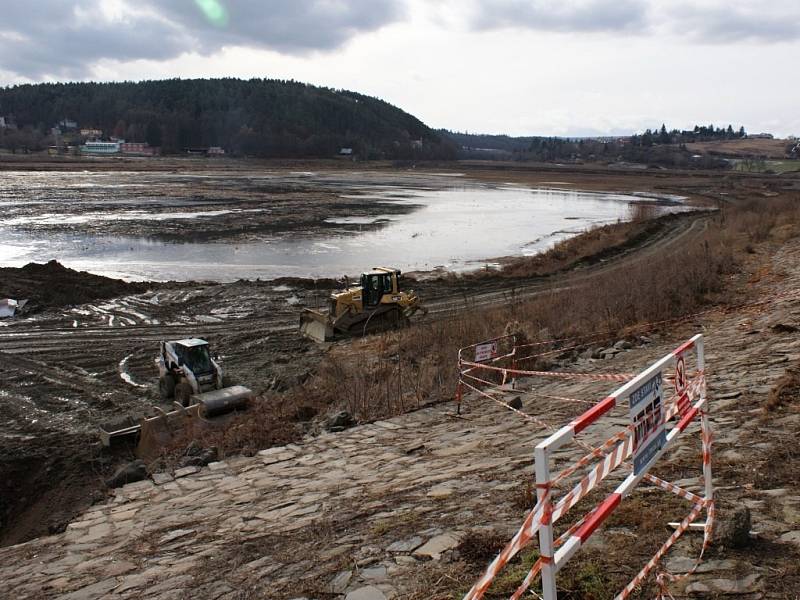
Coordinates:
(376, 574)
(162, 478)
(407, 545)
(199, 459)
(732, 456)
(684, 564)
(724, 586)
(339, 583)
(733, 528)
(91, 592)
(186, 471)
(340, 421)
(174, 535)
(515, 402)
(440, 491)
(366, 593)
(438, 545)
(133, 471)
(623, 345)
(791, 537)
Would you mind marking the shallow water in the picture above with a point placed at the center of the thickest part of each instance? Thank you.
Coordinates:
(459, 226)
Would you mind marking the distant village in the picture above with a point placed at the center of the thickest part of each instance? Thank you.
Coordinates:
(68, 138)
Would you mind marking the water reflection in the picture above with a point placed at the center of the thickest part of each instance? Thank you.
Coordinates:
(457, 227)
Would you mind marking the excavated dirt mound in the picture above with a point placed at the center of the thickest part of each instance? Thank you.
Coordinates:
(52, 284)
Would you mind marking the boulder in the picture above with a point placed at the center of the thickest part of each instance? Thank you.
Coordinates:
(340, 421)
(733, 528)
(200, 459)
(515, 402)
(133, 471)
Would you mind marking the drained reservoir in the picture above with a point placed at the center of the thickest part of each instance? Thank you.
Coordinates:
(223, 227)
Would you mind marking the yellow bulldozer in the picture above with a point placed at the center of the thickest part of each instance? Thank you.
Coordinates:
(376, 304)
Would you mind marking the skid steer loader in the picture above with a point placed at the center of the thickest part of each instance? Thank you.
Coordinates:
(193, 381)
(377, 304)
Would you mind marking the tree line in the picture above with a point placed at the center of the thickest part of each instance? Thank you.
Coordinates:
(256, 117)
(657, 146)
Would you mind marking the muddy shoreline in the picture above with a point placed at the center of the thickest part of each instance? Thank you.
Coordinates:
(223, 225)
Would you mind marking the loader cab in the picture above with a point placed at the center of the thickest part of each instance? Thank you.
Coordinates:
(376, 283)
(194, 354)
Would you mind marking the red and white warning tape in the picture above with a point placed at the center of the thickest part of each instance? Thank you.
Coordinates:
(615, 451)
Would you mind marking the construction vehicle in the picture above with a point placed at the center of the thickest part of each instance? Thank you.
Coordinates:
(189, 374)
(193, 380)
(376, 304)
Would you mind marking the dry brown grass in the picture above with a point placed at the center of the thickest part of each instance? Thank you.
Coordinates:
(594, 244)
(785, 390)
(267, 423)
(397, 372)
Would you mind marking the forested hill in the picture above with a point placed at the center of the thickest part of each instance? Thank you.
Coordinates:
(258, 117)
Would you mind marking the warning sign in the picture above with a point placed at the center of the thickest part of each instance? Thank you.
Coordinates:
(647, 420)
(485, 351)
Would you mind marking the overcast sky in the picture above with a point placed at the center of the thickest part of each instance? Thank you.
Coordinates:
(548, 67)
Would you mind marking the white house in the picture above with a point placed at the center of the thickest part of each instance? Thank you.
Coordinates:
(102, 148)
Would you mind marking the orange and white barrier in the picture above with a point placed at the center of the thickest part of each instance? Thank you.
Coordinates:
(655, 423)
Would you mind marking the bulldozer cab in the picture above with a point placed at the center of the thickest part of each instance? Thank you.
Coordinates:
(194, 354)
(376, 283)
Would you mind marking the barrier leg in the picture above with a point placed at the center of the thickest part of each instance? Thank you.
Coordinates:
(546, 546)
(707, 436)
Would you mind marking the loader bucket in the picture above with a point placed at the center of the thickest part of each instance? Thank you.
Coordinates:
(210, 410)
(159, 432)
(316, 325)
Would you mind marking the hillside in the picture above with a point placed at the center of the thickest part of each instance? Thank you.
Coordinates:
(744, 148)
(258, 117)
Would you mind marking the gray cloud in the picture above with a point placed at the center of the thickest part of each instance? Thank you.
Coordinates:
(63, 39)
(292, 26)
(736, 21)
(57, 38)
(562, 16)
(706, 21)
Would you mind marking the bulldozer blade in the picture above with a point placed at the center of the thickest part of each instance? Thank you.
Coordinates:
(316, 325)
